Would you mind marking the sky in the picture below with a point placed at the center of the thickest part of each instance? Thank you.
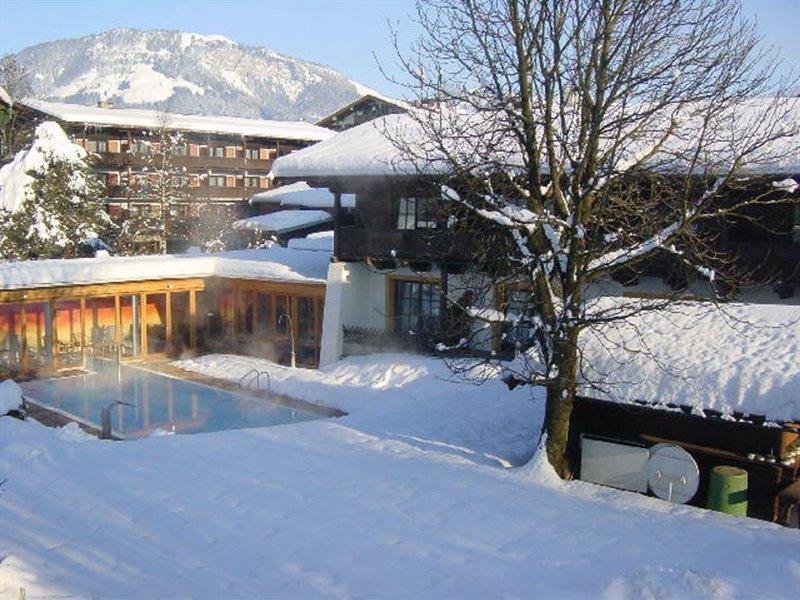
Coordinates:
(346, 34)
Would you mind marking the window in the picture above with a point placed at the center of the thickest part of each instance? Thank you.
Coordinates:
(216, 180)
(417, 213)
(416, 306)
(251, 182)
(181, 150)
(217, 151)
(520, 303)
(97, 146)
(251, 153)
(139, 147)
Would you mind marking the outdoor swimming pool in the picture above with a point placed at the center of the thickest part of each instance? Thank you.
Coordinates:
(154, 401)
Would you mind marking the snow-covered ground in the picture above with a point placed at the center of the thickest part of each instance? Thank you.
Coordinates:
(413, 494)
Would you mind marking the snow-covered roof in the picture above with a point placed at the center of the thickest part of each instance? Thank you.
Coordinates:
(149, 119)
(322, 241)
(380, 147)
(736, 358)
(284, 221)
(5, 98)
(301, 194)
(365, 150)
(270, 264)
(365, 93)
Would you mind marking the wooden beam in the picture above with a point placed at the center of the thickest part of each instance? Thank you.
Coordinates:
(102, 289)
(193, 320)
(23, 315)
(83, 332)
(118, 326)
(143, 324)
(54, 357)
(168, 324)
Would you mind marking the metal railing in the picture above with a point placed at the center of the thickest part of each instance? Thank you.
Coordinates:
(254, 376)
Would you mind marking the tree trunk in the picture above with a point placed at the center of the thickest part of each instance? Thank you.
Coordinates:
(558, 409)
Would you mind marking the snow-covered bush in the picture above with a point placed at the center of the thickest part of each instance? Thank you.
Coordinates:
(11, 401)
(50, 203)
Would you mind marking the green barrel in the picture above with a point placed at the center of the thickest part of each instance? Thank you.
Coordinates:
(727, 490)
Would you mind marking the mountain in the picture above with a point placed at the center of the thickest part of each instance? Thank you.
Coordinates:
(185, 73)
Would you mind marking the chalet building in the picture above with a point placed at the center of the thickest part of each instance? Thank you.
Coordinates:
(366, 108)
(226, 159)
(398, 264)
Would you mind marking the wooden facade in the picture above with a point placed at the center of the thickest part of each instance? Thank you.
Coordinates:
(360, 111)
(52, 328)
(761, 449)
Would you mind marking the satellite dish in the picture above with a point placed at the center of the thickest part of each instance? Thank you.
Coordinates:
(672, 473)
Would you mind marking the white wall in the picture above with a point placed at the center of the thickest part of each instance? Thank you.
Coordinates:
(356, 296)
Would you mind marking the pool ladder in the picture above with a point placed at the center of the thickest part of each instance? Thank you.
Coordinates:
(254, 376)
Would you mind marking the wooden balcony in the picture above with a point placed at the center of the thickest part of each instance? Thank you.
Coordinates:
(127, 159)
(358, 243)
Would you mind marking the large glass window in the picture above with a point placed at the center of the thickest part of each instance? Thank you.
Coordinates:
(10, 337)
(180, 321)
(100, 326)
(130, 314)
(68, 332)
(155, 315)
(417, 213)
(416, 306)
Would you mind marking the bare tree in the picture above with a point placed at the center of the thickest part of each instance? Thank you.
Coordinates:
(17, 128)
(160, 186)
(582, 138)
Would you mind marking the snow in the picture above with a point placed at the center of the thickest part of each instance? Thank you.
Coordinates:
(368, 149)
(738, 357)
(410, 495)
(10, 396)
(301, 194)
(50, 145)
(284, 221)
(270, 264)
(321, 241)
(5, 98)
(151, 119)
(133, 84)
(380, 147)
(787, 185)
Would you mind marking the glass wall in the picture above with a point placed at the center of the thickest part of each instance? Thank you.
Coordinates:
(179, 303)
(10, 337)
(155, 319)
(39, 334)
(130, 321)
(100, 326)
(69, 333)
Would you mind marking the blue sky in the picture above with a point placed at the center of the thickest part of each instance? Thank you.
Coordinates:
(346, 34)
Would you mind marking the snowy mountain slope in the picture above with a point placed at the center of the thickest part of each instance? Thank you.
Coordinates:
(185, 73)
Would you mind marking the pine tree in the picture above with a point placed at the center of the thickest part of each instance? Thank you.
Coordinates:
(51, 201)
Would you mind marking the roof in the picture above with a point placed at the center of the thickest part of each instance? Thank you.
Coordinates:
(364, 150)
(738, 357)
(5, 97)
(376, 148)
(270, 264)
(151, 119)
(284, 221)
(320, 241)
(367, 94)
(301, 194)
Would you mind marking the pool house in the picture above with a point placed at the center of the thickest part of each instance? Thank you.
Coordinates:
(54, 314)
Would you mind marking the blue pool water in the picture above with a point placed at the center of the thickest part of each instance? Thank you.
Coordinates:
(154, 402)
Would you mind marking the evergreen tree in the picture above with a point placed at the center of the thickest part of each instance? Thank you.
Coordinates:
(51, 202)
